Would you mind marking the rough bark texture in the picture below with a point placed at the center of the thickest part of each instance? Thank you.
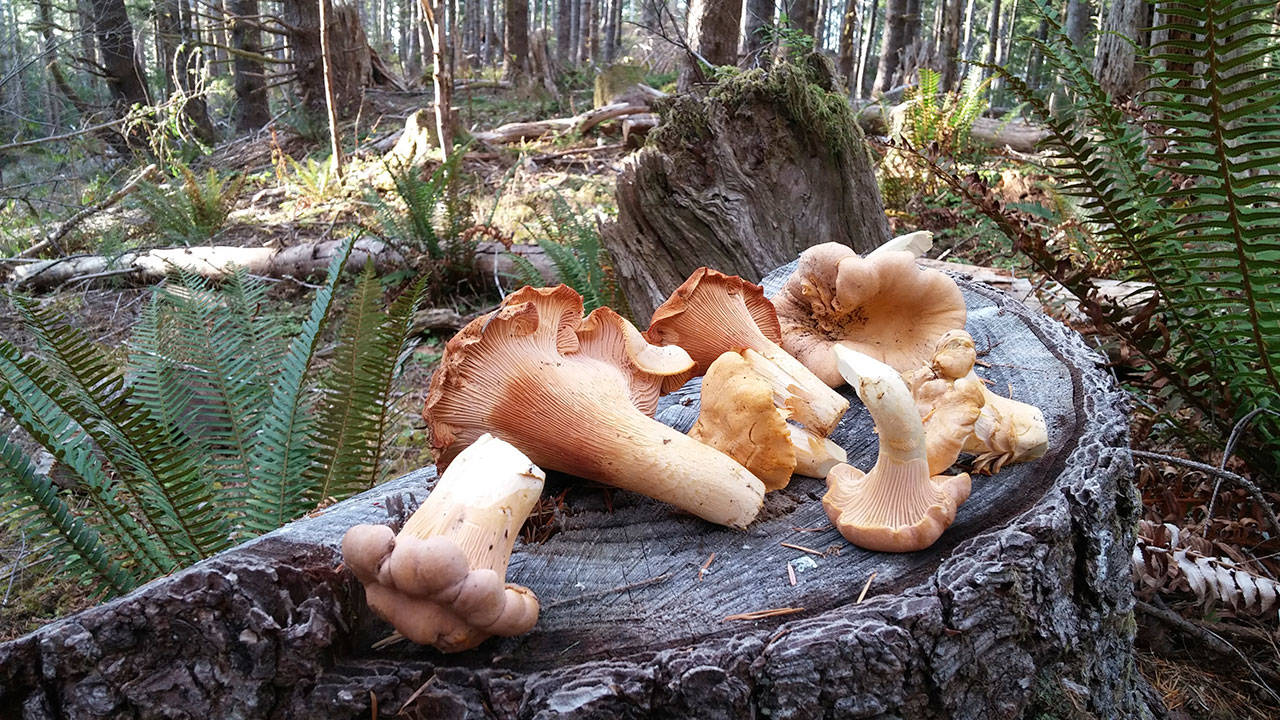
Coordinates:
(252, 110)
(120, 67)
(892, 45)
(1115, 63)
(713, 34)
(743, 179)
(1022, 609)
(350, 50)
(516, 40)
(757, 14)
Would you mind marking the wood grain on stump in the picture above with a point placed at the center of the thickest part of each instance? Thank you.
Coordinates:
(1023, 606)
(742, 179)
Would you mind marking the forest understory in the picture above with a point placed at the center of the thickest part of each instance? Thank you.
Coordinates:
(523, 195)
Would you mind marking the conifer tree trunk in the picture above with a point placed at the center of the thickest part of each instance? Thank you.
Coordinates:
(892, 45)
(1115, 63)
(564, 31)
(845, 59)
(713, 34)
(759, 14)
(947, 60)
(804, 15)
(516, 55)
(584, 31)
(864, 54)
(124, 75)
(252, 110)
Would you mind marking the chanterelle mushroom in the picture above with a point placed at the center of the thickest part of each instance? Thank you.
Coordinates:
(1006, 431)
(568, 393)
(441, 580)
(949, 406)
(882, 305)
(712, 313)
(738, 417)
(898, 506)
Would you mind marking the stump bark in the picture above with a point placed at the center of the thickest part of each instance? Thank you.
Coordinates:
(1022, 609)
(742, 179)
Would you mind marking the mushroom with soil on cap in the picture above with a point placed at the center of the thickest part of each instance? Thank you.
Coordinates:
(882, 305)
(738, 417)
(899, 505)
(712, 313)
(575, 395)
(1005, 431)
(441, 581)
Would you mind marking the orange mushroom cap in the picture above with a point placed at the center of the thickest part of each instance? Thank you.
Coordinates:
(898, 505)
(712, 313)
(883, 305)
(573, 395)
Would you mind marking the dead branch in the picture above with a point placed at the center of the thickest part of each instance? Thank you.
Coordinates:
(515, 132)
(61, 230)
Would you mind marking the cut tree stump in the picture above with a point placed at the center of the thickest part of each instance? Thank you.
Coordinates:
(1022, 609)
(743, 179)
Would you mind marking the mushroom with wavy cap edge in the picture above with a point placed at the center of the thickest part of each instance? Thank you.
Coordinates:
(712, 313)
(1005, 430)
(882, 305)
(737, 416)
(575, 395)
(441, 581)
(897, 506)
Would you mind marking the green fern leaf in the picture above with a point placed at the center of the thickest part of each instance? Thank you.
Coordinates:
(283, 453)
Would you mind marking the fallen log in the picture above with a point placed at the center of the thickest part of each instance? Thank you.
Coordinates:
(307, 260)
(1023, 608)
(1014, 134)
(515, 132)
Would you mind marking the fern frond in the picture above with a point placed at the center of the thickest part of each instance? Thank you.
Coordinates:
(284, 450)
(26, 494)
(356, 401)
(27, 386)
(159, 466)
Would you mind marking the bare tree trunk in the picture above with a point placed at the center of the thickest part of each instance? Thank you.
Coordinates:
(993, 37)
(584, 32)
(911, 50)
(1115, 63)
(252, 110)
(349, 76)
(124, 75)
(892, 46)
(844, 62)
(564, 31)
(804, 15)
(331, 110)
(441, 75)
(949, 45)
(516, 43)
(759, 14)
(713, 34)
(864, 56)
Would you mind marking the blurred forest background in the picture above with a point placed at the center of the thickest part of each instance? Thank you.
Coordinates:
(237, 233)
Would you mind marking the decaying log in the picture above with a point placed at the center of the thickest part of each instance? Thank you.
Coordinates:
(217, 261)
(515, 132)
(742, 180)
(637, 127)
(1015, 134)
(1024, 608)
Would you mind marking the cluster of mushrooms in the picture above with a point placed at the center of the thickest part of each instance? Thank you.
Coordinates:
(535, 384)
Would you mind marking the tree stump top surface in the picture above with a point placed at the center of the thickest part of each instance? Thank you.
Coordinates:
(1027, 590)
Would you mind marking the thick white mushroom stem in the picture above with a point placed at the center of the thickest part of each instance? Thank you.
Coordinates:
(815, 455)
(810, 401)
(441, 580)
(562, 390)
(897, 506)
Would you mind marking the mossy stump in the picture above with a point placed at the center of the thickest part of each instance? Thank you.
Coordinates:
(742, 178)
(1022, 609)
